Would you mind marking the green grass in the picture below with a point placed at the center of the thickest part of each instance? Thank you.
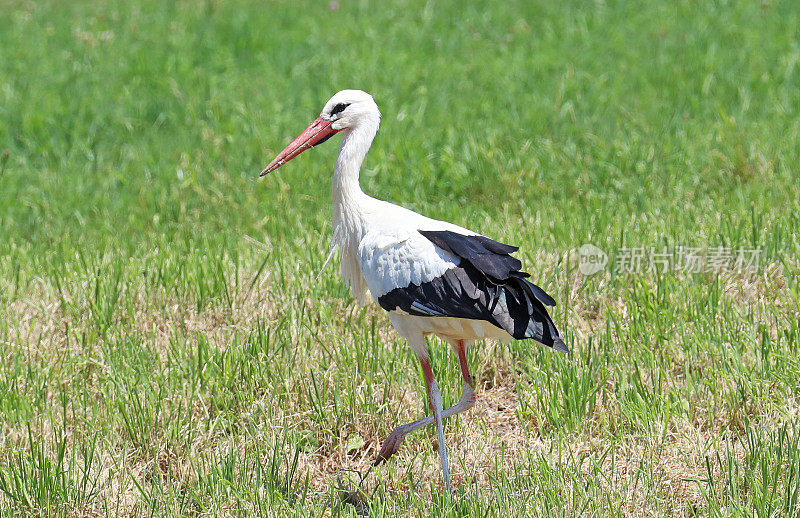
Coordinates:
(167, 349)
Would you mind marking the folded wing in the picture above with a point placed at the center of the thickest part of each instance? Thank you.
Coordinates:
(442, 273)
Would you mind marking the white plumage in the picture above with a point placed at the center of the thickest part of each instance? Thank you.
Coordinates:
(396, 257)
(431, 276)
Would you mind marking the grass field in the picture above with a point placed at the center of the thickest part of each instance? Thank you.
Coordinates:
(167, 348)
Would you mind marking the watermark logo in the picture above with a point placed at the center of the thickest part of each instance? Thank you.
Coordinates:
(642, 259)
(591, 259)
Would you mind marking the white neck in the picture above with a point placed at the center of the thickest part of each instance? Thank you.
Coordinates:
(348, 198)
(350, 204)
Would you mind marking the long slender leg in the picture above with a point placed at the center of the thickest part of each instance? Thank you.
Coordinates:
(398, 435)
(462, 361)
(435, 398)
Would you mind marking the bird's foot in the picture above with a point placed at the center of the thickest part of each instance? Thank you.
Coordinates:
(391, 445)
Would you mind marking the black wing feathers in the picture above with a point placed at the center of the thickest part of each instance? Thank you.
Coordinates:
(487, 255)
(487, 285)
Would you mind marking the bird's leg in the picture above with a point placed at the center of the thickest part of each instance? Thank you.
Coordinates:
(462, 360)
(395, 439)
(435, 399)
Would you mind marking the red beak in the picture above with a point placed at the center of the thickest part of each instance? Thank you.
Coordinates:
(316, 133)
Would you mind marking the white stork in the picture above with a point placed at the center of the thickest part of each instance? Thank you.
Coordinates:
(432, 277)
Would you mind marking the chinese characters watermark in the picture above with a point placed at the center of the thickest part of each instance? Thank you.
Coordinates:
(641, 259)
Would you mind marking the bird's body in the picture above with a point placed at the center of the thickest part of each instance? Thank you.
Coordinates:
(432, 277)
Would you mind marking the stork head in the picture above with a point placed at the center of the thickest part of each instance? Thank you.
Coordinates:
(344, 111)
(350, 107)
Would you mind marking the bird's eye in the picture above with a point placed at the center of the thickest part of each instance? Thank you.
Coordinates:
(339, 108)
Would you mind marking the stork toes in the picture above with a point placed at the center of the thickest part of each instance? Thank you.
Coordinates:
(395, 439)
(391, 445)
